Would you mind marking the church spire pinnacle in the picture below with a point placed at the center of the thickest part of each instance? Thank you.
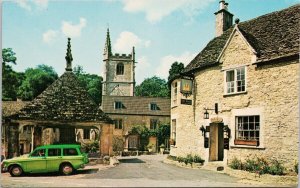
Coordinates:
(107, 48)
(69, 57)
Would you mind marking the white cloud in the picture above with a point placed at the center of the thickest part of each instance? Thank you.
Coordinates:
(41, 4)
(127, 40)
(165, 63)
(142, 69)
(155, 10)
(49, 36)
(73, 30)
(30, 4)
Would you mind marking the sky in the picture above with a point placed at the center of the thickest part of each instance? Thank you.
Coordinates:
(162, 31)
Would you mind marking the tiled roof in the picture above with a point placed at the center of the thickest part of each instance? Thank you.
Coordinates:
(136, 105)
(64, 100)
(12, 107)
(274, 35)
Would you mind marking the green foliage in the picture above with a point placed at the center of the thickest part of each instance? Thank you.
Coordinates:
(276, 168)
(11, 80)
(153, 87)
(36, 81)
(296, 167)
(91, 82)
(258, 165)
(198, 159)
(235, 164)
(163, 133)
(8, 56)
(175, 69)
(189, 159)
(91, 147)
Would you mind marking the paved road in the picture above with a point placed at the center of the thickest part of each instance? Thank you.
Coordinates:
(131, 172)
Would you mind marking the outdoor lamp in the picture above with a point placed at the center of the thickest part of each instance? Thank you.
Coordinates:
(206, 114)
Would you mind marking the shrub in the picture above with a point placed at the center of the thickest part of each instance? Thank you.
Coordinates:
(189, 159)
(236, 164)
(198, 159)
(258, 165)
(276, 168)
(296, 167)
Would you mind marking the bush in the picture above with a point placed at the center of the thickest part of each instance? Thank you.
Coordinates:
(236, 164)
(258, 165)
(276, 168)
(296, 167)
(189, 159)
(198, 159)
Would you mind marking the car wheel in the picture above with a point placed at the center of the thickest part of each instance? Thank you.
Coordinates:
(15, 171)
(66, 169)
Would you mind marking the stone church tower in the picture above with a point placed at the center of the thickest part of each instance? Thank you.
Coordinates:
(119, 75)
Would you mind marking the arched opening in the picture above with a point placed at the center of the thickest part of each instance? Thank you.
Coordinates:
(120, 69)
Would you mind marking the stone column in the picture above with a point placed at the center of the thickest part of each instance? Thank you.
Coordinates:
(13, 140)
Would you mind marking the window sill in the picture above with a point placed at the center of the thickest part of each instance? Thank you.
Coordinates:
(233, 94)
(246, 142)
(248, 147)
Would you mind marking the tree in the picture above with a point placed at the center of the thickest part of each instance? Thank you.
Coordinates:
(36, 81)
(11, 80)
(153, 87)
(175, 69)
(91, 82)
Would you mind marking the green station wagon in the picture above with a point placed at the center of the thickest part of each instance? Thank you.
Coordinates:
(49, 158)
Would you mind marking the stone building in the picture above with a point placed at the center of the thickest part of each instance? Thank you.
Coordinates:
(238, 98)
(121, 104)
(63, 113)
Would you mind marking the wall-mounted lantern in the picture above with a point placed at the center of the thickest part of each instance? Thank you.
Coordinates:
(206, 114)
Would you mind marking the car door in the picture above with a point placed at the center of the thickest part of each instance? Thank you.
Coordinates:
(54, 159)
(37, 161)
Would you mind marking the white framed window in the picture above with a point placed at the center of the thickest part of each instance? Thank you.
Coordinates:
(235, 80)
(247, 130)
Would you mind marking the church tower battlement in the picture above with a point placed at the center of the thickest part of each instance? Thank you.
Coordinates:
(119, 73)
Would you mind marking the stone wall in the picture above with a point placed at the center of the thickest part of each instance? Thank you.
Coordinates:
(124, 81)
(272, 93)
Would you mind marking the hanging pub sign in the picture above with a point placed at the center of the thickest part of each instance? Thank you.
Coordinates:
(186, 87)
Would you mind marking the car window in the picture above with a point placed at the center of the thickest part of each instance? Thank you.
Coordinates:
(54, 152)
(38, 153)
(70, 152)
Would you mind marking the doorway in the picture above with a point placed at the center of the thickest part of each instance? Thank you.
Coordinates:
(216, 144)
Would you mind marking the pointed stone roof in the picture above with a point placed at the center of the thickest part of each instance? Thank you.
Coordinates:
(107, 48)
(65, 100)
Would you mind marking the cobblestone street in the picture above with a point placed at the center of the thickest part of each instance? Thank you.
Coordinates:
(146, 170)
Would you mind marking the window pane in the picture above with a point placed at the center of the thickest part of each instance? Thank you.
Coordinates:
(230, 76)
(54, 152)
(247, 128)
(70, 152)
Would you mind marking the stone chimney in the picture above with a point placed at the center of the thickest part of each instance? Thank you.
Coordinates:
(223, 18)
